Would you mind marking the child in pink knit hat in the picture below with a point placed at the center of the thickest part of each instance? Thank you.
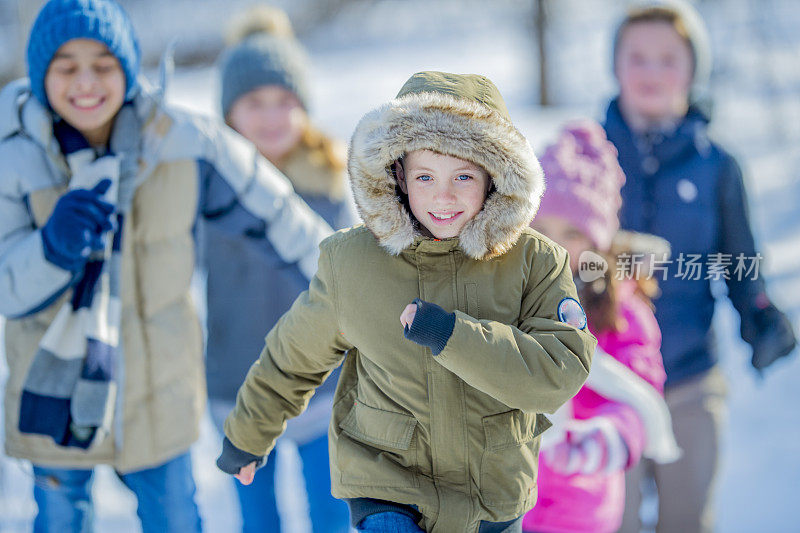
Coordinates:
(583, 183)
(619, 414)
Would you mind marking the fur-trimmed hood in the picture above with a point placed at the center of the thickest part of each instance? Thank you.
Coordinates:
(458, 115)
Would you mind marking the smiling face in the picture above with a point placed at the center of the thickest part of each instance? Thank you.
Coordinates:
(444, 192)
(270, 117)
(85, 85)
(654, 66)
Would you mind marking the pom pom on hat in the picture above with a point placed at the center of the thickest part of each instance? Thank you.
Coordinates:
(268, 54)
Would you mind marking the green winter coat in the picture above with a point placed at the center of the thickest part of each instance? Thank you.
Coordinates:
(455, 434)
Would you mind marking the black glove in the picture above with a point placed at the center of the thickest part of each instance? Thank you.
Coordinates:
(432, 326)
(770, 334)
(232, 459)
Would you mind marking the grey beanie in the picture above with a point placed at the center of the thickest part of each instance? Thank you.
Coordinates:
(263, 59)
(698, 40)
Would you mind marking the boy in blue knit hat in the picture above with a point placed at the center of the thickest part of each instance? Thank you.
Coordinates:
(101, 188)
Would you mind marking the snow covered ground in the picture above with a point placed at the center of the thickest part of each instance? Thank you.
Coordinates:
(362, 58)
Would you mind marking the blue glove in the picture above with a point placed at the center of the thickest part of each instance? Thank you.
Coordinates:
(79, 220)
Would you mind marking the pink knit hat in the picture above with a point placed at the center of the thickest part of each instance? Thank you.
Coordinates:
(583, 181)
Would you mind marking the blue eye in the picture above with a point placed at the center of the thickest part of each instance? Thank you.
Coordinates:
(424, 177)
(464, 177)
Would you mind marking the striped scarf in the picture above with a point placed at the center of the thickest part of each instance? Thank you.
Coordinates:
(71, 386)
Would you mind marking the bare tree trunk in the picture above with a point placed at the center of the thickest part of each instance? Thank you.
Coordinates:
(541, 42)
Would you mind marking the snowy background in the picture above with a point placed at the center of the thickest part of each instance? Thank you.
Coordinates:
(362, 52)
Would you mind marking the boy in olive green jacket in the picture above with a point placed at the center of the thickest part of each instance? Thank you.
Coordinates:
(436, 419)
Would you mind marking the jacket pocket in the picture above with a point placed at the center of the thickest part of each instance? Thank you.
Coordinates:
(510, 459)
(377, 448)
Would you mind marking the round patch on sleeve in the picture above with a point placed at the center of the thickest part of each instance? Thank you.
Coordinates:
(570, 312)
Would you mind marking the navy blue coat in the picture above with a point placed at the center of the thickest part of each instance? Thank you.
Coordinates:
(688, 190)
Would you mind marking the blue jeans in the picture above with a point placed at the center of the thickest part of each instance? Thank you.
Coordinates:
(388, 523)
(258, 500)
(165, 496)
(259, 504)
(392, 522)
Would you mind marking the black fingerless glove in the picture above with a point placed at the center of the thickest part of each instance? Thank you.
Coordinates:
(432, 326)
(232, 459)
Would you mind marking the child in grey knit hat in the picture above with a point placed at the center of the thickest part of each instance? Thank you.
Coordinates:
(264, 96)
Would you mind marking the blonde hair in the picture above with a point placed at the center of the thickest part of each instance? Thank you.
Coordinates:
(328, 148)
(600, 298)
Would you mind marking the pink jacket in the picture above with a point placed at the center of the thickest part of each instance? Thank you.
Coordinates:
(595, 503)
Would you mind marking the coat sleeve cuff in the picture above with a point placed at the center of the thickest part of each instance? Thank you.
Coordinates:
(432, 326)
(232, 459)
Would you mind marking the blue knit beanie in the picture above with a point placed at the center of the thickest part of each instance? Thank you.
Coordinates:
(263, 59)
(62, 20)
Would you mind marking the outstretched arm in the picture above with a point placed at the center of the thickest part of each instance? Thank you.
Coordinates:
(301, 351)
(241, 192)
(763, 326)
